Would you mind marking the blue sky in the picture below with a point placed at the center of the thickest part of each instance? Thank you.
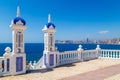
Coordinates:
(74, 19)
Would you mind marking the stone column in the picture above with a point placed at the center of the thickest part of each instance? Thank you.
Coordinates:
(98, 49)
(34, 65)
(80, 54)
(103, 54)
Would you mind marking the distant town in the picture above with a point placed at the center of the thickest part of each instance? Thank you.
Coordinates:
(88, 41)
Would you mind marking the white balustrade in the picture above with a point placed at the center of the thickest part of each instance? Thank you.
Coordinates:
(89, 54)
(34, 65)
(78, 55)
(110, 54)
(30, 66)
(68, 57)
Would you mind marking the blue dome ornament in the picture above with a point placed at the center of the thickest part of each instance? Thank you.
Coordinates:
(49, 22)
(18, 18)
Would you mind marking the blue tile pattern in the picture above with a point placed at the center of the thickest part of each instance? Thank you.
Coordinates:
(56, 58)
(8, 64)
(51, 59)
(19, 64)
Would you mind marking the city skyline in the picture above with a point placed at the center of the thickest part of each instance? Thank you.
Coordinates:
(74, 20)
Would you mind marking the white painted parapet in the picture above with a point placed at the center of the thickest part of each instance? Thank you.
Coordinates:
(89, 55)
(7, 60)
(68, 57)
(78, 55)
(110, 54)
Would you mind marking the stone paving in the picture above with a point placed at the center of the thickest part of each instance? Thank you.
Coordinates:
(114, 77)
(99, 74)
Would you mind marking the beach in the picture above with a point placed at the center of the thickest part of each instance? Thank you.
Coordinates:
(68, 71)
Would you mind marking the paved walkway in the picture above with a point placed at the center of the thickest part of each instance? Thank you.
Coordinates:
(100, 74)
(65, 72)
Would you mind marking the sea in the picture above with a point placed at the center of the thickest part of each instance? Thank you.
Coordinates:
(34, 51)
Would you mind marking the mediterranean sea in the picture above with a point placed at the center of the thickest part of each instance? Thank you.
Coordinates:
(34, 51)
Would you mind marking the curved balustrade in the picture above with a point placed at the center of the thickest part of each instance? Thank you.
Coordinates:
(75, 56)
(68, 57)
(89, 54)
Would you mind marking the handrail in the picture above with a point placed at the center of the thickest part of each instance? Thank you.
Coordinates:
(41, 59)
(89, 51)
(108, 50)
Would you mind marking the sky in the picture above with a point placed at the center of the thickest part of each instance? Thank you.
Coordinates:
(74, 19)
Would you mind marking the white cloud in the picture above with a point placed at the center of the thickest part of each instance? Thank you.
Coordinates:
(103, 32)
